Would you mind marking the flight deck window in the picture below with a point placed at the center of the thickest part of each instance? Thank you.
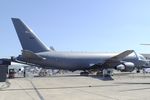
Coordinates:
(142, 58)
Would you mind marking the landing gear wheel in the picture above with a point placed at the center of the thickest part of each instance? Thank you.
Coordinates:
(138, 71)
(84, 74)
(99, 73)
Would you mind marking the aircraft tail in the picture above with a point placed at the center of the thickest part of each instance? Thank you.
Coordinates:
(29, 41)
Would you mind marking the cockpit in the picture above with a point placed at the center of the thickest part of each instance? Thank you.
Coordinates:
(141, 57)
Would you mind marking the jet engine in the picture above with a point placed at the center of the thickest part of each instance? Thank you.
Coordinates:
(126, 67)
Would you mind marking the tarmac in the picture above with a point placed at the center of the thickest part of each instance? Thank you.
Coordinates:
(123, 86)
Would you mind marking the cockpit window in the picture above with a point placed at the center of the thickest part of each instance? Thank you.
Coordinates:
(142, 57)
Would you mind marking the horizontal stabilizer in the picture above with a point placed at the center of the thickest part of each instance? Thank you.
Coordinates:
(30, 55)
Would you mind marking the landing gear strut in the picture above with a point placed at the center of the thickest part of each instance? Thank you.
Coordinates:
(99, 73)
(138, 70)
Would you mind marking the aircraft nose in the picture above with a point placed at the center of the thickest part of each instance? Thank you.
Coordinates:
(143, 62)
(147, 63)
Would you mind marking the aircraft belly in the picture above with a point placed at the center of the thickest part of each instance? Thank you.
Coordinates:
(72, 64)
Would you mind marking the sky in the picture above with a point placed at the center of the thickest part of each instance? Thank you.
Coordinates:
(78, 25)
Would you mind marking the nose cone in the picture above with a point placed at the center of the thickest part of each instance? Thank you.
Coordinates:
(141, 62)
(146, 59)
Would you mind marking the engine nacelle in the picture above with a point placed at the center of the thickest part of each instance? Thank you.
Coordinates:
(126, 67)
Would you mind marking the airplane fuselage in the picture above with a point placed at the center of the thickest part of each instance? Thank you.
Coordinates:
(78, 60)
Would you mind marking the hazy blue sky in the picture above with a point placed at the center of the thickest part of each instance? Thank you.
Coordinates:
(78, 25)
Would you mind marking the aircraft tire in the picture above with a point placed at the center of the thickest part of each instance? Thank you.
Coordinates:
(84, 74)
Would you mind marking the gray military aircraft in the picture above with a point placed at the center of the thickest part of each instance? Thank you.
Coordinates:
(36, 52)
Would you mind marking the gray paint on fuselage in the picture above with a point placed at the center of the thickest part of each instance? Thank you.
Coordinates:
(77, 60)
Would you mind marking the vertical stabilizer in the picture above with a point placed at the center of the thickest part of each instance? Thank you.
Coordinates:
(29, 41)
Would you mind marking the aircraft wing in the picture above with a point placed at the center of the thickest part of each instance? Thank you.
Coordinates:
(113, 61)
(30, 55)
(122, 55)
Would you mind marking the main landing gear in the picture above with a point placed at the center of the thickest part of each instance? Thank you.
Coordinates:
(105, 73)
(99, 73)
(84, 73)
(138, 71)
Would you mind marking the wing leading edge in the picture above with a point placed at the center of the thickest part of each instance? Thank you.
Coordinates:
(113, 61)
(122, 55)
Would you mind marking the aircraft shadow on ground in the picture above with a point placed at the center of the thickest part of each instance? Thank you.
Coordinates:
(134, 83)
(108, 78)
